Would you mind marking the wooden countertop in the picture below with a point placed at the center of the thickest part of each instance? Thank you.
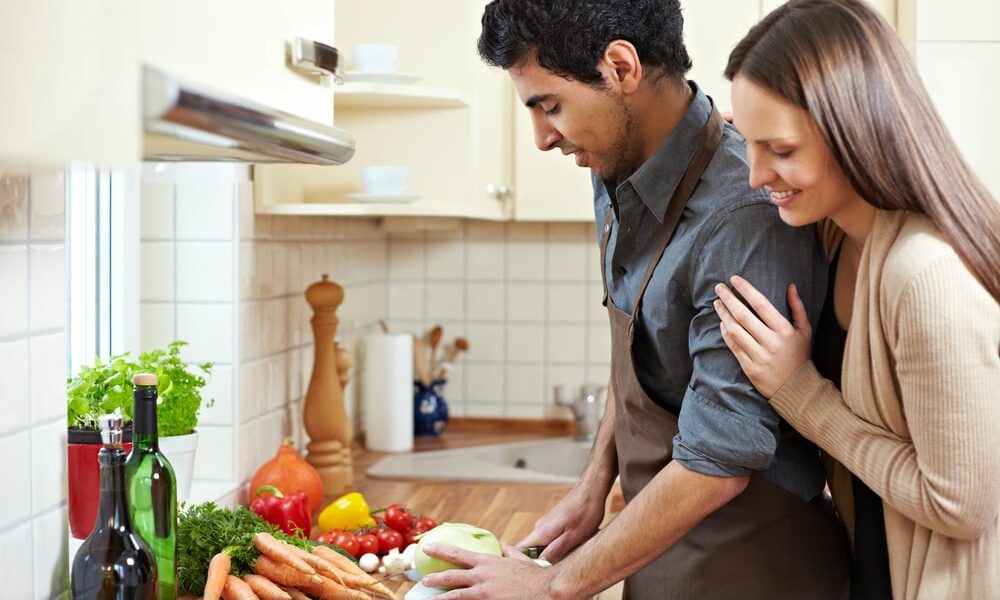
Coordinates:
(509, 510)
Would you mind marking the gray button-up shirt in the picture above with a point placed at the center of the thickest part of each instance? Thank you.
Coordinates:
(682, 362)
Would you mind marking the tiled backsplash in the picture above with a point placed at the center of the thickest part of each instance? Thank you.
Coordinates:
(33, 310)
(527, 296)
(232, 284)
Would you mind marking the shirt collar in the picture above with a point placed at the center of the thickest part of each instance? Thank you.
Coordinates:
(658, 177)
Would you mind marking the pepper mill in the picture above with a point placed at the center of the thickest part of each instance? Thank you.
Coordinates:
(326, 422)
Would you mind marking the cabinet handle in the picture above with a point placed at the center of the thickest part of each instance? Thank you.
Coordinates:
(500, 192)
(315, 58)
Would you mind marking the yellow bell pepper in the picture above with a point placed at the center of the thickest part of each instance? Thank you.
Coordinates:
(350, 511)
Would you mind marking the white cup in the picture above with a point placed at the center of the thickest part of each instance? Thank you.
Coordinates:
(375, 58)
(385, 181)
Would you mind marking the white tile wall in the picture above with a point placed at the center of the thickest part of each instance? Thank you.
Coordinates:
(207, 269)
(522, 294)
(529, 304)
(48, 286)
(189, 267)
(14, 303)
(33, 308)
(14, 356)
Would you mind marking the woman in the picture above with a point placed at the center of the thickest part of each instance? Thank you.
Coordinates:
(841, 132)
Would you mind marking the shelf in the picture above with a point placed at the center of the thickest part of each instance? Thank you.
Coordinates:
(351, 209)
(384, 95)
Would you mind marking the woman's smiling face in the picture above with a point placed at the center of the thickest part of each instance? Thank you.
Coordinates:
(788, 156)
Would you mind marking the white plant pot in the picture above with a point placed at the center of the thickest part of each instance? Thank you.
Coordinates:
(180, 450)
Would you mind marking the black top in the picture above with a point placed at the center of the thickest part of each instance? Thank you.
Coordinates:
(870, 562)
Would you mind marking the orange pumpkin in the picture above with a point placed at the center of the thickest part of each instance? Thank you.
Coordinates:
(290, 473)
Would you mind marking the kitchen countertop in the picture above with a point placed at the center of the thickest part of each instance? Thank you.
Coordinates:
(509, 510)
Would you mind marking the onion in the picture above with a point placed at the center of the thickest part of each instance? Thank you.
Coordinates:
(460, 535)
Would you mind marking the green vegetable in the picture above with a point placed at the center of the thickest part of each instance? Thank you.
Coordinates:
(205, 530)
(107, 387)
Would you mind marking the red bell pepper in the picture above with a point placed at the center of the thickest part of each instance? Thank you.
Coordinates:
(287, 512)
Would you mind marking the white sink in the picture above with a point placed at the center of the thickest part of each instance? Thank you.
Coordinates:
(557, 460)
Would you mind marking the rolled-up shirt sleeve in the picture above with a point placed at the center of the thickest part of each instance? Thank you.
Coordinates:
(726, 427)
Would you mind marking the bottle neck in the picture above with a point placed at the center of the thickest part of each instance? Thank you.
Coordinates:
(113, 508)
(144, 422)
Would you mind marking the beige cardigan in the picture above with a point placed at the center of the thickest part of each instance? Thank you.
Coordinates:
(919, 418)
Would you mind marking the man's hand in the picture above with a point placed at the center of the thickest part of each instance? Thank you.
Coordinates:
(570, 523)
(488, 576)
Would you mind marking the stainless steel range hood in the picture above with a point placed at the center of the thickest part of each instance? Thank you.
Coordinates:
(183, 123)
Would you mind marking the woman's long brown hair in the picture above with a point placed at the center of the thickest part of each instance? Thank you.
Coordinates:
(842, 62)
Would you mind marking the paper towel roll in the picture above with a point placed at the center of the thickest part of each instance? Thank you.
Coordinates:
(388, 392)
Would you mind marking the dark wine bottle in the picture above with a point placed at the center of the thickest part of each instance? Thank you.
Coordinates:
(113, 563)
(152, 486)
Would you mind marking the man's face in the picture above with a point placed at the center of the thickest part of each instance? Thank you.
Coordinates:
(593, 125)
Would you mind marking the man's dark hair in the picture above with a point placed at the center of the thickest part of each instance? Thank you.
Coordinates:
(569, 36)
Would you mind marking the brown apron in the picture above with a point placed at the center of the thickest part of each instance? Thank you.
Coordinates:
(765, 543)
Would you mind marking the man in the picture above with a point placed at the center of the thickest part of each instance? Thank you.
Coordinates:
(722, 498)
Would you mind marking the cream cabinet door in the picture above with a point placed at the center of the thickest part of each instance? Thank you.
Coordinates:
(547, 185)
(711, 30)
(238, 47)
(70, 81)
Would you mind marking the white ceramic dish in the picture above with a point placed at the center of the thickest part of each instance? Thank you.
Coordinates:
(384, 198)
(374, 77)
(419, 591)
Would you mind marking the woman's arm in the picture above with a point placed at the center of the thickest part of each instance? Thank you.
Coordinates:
(946, 331)
(946, 476)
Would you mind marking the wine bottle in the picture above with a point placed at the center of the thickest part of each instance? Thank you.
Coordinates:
(114, 563)
(152, 486)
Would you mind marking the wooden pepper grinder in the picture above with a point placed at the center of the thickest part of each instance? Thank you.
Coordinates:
(326, 422)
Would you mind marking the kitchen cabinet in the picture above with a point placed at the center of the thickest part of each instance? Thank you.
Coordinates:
(70, 82)
(432, 126)
(461, 130)
(238, 47)
(957, 49)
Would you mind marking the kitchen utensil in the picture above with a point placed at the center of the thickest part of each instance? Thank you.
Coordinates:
(382, 325)
(420, 360)
(451, 353)
(433, 339)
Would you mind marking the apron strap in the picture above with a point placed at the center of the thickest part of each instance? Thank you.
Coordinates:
(604, 254)
(711, 135)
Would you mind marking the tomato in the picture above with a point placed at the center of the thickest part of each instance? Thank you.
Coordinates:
(389, 539)
(424, 524)
(398, 517)
(378, 521)
(410, 534)
(347, 541)
(368, 543)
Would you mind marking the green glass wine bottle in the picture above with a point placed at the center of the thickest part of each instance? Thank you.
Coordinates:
(114, 563)
(152, 486)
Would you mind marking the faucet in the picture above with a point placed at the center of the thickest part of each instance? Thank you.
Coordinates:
(587, 405)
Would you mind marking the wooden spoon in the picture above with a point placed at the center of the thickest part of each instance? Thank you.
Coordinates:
(452, 352)
(434, 338)
(420, 360)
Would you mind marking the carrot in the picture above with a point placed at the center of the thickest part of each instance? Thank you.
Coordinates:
(352, 574)
(264, 588)
(218, 569)
(281, 552)
(282, 573)
(237, 589)
(294, 593)
(331, 590)
(321, 565)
